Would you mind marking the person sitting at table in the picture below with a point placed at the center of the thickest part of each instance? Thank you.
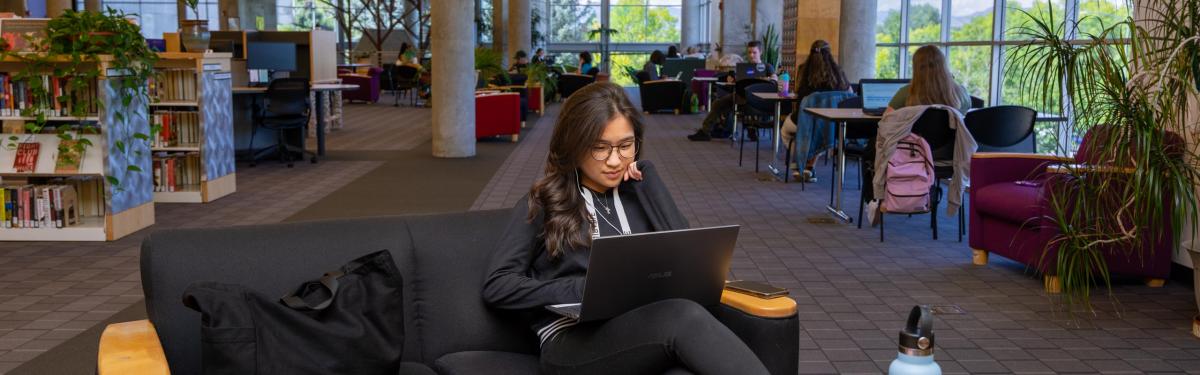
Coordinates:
(585, 62)
(693, 53)
(931, 83)
(713, 61)
(672, 52)
(539, 56)
(724, 106)
(820, 72)
(652, 64)
(407, 55)
(520, 61)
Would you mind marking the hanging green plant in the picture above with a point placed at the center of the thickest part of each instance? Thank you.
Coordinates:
(75, 46)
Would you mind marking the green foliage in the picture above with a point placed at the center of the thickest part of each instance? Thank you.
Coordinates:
(310, 15)
(770, 46)
(81, 38)
(540, 74)
(194, 5)
(490, 63)
(570, 22)
(639, 24)
(1120, 214)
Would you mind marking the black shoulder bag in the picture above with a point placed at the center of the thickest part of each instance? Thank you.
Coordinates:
(350, 321)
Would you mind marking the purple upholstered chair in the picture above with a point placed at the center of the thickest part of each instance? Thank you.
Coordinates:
(368, 85)
(1011, 214)
(700, 88)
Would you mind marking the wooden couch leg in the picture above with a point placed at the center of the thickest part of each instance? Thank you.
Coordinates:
(515, 137)
(1052, 284)
(979, 257)
(1155, 283)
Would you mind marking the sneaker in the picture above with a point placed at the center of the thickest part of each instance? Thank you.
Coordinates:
(806, 176)
(700, 136)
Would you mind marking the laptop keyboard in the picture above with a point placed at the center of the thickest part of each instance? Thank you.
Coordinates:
(570, 310)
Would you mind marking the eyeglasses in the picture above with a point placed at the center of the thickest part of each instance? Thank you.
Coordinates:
(602, 151)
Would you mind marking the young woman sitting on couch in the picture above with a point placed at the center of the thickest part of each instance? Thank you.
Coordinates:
(593, 186)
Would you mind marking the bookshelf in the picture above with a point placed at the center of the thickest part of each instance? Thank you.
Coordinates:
(193, 153)
(53, 202)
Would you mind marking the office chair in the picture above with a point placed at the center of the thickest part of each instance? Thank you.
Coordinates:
(287, 108)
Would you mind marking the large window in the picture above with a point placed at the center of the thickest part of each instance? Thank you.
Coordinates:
(640, 26)
(160, 16)
(978, 51)
(303, 15)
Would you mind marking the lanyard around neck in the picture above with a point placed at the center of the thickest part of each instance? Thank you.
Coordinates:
(591, 207)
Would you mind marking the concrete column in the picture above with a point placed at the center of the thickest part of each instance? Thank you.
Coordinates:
(519, 29)
(452, 40)
(412, 21)
(737, 26)
(768, 13)
(856, 39)
(499, 24)
(690, 24)
(55, 8)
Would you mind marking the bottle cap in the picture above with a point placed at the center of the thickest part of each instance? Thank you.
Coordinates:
(917, 337)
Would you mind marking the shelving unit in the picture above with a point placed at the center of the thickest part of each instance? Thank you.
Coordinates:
(206, 100)
(114, 210)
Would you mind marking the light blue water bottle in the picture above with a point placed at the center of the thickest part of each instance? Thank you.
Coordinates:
(916, 346)
(783, 83)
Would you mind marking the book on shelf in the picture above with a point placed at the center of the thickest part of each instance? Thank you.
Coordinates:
(57, 100)
(177, 171)
(173, 85)
(56, 204)
(68, 159)
(176, 128)
(26, 159)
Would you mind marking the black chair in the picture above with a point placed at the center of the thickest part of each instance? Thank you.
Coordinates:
(403, 78)
(660, 95)
(287, 108)
(977, 102)
(758, 114)
(739, 99)
(932, 127)
(568, 83)
(1006, 128)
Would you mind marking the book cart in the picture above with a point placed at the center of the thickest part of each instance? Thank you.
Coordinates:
(51, 195)
(193, 151)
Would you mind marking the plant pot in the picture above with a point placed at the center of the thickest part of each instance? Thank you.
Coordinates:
(194, 36)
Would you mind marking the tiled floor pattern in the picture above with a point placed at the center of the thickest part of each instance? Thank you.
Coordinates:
(377, 126)
(854, 292)
(52, 291)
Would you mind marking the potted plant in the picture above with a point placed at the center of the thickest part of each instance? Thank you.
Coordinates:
(1136, 78)
(489, 64)
(770, 44)
(193, 33)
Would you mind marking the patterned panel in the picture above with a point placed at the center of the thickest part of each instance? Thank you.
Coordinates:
(217, 111)
(134, 188)
(791, 15)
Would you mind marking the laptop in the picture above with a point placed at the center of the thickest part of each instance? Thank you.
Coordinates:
(750, 70)
(626, 272)
(877, 93)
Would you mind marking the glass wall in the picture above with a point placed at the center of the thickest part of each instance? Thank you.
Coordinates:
(977, 50)
(641, 26)
(298, 15)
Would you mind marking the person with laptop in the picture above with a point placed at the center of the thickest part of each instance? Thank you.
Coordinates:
(932, 83)
(820, 73)
(723, 107)
(593, 188)
(653, 63)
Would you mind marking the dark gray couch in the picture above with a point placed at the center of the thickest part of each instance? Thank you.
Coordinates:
(443, 259)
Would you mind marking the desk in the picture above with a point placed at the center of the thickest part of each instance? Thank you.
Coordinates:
(841, 116)
(778, 100)
(320, 89)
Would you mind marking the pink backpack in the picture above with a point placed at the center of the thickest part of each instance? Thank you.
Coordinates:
(909, 177)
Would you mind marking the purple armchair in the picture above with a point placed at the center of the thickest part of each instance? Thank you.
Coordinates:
(700, 88)
(1010, 213)
(368, 85)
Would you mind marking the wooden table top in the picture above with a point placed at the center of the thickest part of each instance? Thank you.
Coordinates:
(774, 96)
(842, 114)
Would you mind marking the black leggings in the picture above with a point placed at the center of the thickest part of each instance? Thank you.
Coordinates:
(652, 339)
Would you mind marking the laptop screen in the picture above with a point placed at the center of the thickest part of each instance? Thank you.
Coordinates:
(750, 70)
(878, 94)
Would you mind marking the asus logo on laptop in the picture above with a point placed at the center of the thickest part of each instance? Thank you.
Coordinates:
(659, 275)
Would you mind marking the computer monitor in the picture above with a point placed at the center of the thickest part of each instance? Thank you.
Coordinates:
(274, 56)
(876, 93)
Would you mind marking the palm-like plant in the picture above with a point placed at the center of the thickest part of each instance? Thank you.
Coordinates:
(1133, 77)
(770, 46)
(489, 63)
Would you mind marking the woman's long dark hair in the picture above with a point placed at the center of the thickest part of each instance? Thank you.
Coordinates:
(585, 58)
(580, 124)
(657, 57)
(673, 52)
(821, 72)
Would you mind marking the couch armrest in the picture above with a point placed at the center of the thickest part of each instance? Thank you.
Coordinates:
(989, 168)
(1017, 155)
(354, 75)
(131, 348)
(781, 307)
(775, 340)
